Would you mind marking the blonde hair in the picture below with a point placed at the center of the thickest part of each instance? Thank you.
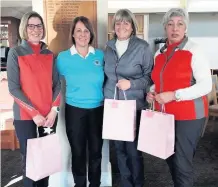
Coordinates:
(24, 23)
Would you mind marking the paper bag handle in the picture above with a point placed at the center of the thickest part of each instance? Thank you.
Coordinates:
(115, 93)
(151, 106)
(162, 107)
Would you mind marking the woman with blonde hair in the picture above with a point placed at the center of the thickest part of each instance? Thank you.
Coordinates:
(34, 84)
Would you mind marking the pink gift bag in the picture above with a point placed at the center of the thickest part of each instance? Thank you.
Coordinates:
(43, 157)
(119, 122)
(157, 134)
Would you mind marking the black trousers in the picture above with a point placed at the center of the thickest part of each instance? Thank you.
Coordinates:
(187, 135)
(84, 127)
(130, 160)
(27, 129)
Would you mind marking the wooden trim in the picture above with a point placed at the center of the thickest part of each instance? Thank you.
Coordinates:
(45, 19)
(95, 24)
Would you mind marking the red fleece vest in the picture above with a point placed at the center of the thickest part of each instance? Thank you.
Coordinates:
(177, 74)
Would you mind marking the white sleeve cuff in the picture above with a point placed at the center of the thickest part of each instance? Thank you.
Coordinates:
(152, 88)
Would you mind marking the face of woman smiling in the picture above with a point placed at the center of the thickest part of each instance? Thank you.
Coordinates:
(34, 30)
(175, 29)
(81, 35)
(123, 30)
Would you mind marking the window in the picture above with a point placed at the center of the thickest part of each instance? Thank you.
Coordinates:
(4, 35)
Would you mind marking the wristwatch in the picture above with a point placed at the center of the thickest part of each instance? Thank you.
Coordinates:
(56, 108)
(177, 96)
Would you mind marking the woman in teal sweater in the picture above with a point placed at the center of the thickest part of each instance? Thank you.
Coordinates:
(82, 68)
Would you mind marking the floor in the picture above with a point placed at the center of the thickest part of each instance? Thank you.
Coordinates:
(156, 171)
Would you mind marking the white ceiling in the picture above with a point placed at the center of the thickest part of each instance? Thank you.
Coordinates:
(149, 6)
(16, 3)
(16, 12)
(15, 8)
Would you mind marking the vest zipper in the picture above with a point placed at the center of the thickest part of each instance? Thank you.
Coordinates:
(116, 65)
(165, 64)
(117, 61)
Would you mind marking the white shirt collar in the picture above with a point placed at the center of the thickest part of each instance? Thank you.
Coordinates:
(73, 51)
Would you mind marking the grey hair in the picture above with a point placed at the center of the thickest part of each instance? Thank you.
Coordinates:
(176, 12)
(125, 15)
(24, 23)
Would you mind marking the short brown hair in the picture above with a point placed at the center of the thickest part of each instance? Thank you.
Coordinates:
(24, 23)
(87, 24)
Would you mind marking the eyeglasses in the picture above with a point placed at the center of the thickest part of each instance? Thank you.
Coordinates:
(32, 26)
